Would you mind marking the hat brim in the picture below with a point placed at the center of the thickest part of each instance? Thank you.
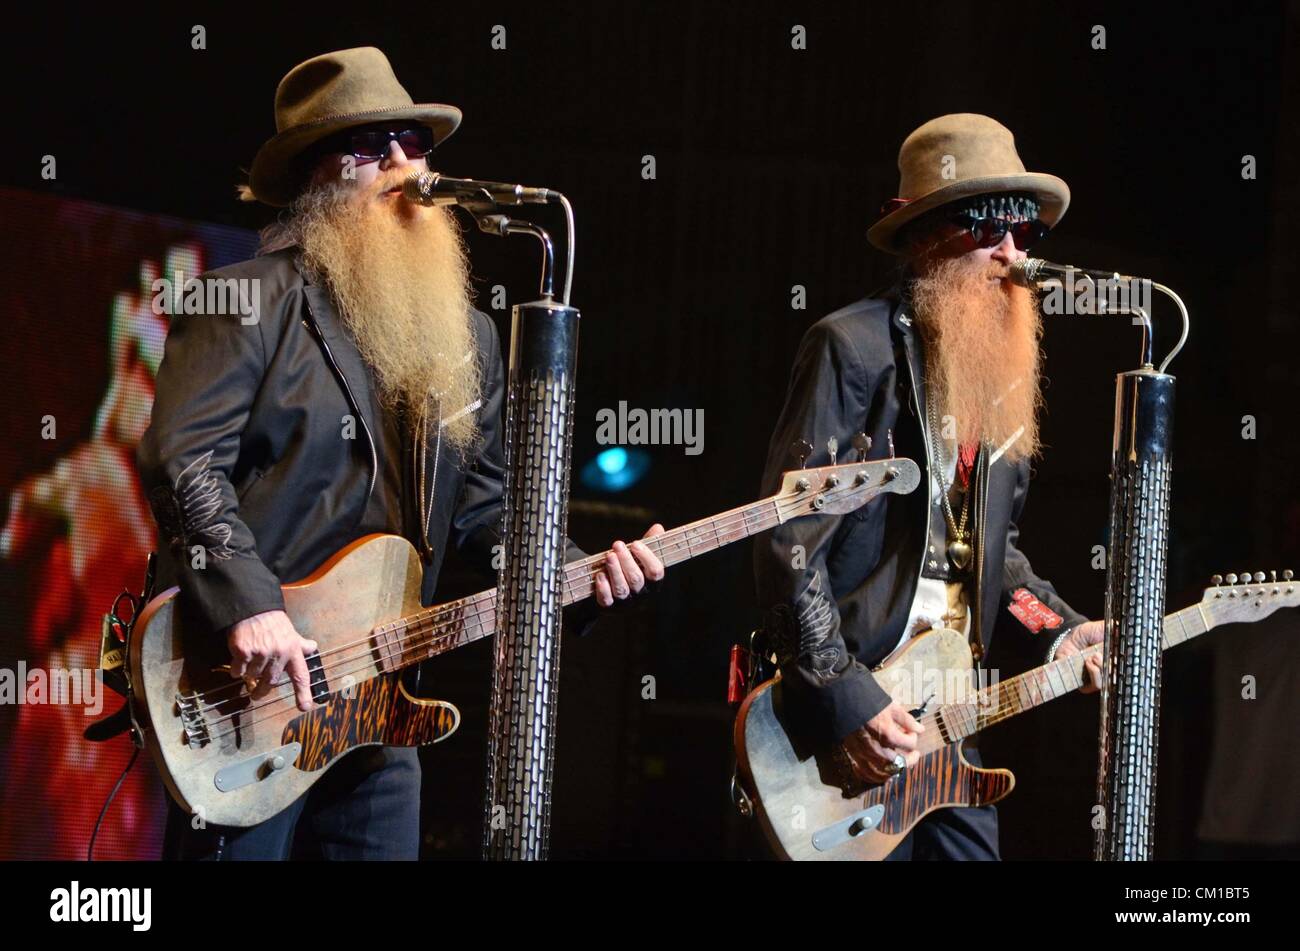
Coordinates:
(1052, 193)
(271, 178)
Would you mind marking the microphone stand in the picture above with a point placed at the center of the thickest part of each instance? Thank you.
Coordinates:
(1141, 469)
(526, 659)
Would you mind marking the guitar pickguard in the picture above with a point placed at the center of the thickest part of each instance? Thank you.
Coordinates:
(377, 710)
(940, 778)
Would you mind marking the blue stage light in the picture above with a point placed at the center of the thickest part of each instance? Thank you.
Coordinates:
(613, 470)
(612, 461)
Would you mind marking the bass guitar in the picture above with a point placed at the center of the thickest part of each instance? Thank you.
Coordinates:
(237, 761)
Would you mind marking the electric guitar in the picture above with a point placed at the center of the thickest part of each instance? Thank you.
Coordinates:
(812, 807)
(236, 761)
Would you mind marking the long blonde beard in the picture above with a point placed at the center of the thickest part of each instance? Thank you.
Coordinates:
(401, 283)
(982, 353)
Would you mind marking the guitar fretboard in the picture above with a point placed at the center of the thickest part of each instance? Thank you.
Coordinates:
(1033, 688)
(448, 626)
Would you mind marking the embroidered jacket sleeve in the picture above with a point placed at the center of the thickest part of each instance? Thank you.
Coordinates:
(211, 371)
(1032, 600)
(829, 395)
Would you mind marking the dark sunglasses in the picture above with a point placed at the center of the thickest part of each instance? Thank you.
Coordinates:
(989, 232)
(369, 145)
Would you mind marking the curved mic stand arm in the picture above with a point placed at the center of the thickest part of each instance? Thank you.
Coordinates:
(503, 225)
(1186, 323)
(572, 238)
(1136, 310)
(1144, 314)
(483, 208)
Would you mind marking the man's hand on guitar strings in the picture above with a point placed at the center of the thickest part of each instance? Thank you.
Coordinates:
(265, 646)
(1084, 636)
(627, 569)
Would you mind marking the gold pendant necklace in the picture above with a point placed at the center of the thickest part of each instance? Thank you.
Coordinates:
(959, 548)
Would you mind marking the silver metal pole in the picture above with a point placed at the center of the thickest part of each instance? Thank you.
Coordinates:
(1141, 467)
(526, 666)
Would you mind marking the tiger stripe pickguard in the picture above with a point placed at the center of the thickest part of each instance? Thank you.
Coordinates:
(378, 711)
(940, 778)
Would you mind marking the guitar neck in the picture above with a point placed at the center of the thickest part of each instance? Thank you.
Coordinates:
(448, 626)
(1035, 687)
(680, 544)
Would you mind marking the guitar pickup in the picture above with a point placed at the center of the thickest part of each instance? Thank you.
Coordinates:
(320, 689)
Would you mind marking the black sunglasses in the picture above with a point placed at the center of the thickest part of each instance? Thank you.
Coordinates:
(989, 232)
(369, 145)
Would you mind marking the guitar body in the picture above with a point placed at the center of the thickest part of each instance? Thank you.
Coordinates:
(237, 761)
(809, 806)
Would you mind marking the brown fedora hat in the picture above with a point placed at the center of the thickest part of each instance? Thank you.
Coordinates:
(957, 156)
(329, 93)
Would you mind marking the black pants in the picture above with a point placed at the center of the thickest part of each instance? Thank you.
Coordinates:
(367, 806)
(947, 835)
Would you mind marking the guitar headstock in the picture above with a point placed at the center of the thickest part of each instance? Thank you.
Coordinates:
(1249, 597)
(840, 489)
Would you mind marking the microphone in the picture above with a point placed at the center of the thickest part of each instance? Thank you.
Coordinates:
(1033, 272)
(430, 188)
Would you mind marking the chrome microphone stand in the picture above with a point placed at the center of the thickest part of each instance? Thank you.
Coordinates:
(526, 661)
(1141, 470)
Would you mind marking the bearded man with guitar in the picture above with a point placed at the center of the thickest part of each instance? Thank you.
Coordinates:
(363, 395)
(946, 369)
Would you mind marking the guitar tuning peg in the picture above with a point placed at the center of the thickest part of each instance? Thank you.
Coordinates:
(1286, 575)
(862, 443)
(1232, 578)
(1217, 579)
(1259, 577)
(1245, 577)
(1272, 575)
(832, 448)
(889, 434)
(802, 449)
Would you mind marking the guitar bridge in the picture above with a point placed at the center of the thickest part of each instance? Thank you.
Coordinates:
(193, 724)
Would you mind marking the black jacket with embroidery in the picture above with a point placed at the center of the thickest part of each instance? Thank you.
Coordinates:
(839, 589)
(246, 457)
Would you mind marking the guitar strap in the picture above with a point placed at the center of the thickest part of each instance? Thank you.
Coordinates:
(980, 486)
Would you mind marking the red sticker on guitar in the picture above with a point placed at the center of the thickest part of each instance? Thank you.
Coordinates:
(1031, 612)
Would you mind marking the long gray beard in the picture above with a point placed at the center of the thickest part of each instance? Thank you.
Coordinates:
(402, 290)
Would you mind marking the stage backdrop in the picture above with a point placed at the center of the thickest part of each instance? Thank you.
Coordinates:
(76, 283)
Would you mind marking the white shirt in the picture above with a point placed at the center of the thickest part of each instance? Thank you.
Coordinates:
(930, 603)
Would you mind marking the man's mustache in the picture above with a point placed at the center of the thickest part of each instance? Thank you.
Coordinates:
(391, 180)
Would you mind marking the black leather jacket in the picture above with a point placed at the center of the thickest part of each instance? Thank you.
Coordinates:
(247, 457)
(838, 606)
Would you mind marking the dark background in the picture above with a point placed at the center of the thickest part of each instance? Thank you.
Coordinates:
(771, 163)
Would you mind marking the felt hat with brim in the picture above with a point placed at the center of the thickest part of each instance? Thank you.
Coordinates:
(327, 94)
(958, 156)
